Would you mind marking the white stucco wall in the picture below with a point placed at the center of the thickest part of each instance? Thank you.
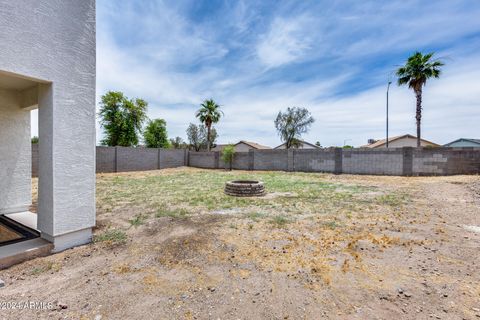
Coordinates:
(15, 154)
(54, 40)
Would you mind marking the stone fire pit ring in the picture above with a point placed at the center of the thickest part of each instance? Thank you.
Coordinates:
(245, 188)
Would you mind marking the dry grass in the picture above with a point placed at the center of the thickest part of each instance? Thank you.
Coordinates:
(317, 245)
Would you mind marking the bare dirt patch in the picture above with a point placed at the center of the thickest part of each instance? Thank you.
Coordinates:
(325, 247)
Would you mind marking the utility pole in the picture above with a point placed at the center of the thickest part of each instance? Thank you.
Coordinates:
(388, 87)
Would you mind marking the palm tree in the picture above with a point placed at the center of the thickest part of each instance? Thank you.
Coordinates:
(208, 114)
(416, 71)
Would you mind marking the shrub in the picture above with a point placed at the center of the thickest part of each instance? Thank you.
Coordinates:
(227, 155)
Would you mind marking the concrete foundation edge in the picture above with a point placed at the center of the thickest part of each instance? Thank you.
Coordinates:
(69, 240)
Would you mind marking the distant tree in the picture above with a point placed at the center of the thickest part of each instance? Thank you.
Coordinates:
(122, 119)
(213, 138)
(194, 136)
(416, 71)
(227, 155)
(35, 140)
(318, 144)
(155, 134)
(292, 123)
(347, 146)
(197, 137)
(208, 114)
(178, 143)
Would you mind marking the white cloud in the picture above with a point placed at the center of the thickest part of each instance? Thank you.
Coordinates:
(286, 41)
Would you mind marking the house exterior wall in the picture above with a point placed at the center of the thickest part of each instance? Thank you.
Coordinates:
(242, 147)
(54, 41)
(15, 154)
(405, 142)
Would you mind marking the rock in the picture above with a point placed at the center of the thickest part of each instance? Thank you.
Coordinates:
(2, 283)
(407, 294)
(63, 306)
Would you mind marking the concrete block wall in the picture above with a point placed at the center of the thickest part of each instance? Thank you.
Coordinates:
(203, 160)
(376, 161)
(313, 160)
(35, 160)
(394, 161)
(124, 159)
(446, 161)
(270, 160)
(241, 161)
(106, 159)
(172, 158)
(137, 159)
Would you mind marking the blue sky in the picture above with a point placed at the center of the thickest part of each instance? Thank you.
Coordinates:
(258, 57)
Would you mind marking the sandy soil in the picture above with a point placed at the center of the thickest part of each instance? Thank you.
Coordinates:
(415, 260)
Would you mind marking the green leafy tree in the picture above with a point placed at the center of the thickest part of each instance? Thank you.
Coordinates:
(415, 73)
(291, 124)
(227, 155)
(122, 119)
(155, 134)
(208, 114)
(35, 140)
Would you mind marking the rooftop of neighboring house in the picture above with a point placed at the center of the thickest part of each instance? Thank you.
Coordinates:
(379, 143)
(253, 145)
(302, 142)
(464, 140)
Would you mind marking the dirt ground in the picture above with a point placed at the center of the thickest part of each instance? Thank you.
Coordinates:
(319, 246)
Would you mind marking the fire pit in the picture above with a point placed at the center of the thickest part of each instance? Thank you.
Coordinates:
(245, 188)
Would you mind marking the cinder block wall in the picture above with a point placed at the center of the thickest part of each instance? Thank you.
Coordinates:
(314, 160)
(270, 160)
(446, 161)
(137, 159)
(394, 161)
(203, 159)
(124, 159)
(172, 158)
(106, 159)
(373, 161)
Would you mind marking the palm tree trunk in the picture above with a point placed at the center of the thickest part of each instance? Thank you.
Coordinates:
(208, 137)
(418, 115)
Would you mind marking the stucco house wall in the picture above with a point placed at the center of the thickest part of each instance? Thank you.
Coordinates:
(52, 42)
(15, 154)
(406, 142)
(242, 147)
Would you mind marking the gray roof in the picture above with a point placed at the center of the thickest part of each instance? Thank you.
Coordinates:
(464, 139)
